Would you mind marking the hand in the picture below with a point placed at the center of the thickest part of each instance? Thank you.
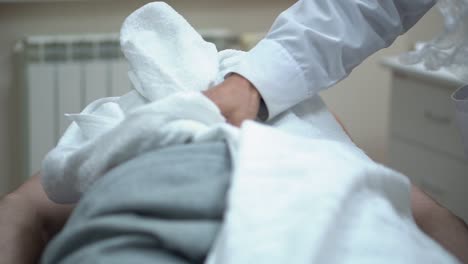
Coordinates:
(28, 220)
(237, 99)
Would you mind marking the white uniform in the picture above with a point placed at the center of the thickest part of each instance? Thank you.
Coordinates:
(314, 44)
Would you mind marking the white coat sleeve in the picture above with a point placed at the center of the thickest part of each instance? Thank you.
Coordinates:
(316, 43)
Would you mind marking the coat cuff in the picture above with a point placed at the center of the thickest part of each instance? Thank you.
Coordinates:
(276, 75)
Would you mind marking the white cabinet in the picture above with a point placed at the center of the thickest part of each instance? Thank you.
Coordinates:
(424, 141)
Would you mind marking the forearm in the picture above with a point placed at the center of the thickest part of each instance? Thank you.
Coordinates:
(440, 224)
(21, 235)
(28, 220)
(53, 216)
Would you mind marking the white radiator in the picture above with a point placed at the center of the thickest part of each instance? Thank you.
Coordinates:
(62, 75)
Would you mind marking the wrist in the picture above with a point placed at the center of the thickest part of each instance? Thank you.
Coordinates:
(240, 82)
(244, 91)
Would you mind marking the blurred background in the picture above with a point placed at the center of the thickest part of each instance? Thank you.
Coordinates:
(57, 56)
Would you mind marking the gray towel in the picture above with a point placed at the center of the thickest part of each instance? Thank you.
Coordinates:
(460, 97)
(163, 207)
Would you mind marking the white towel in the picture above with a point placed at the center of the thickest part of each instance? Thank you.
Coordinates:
(302, 200)
(170, 63)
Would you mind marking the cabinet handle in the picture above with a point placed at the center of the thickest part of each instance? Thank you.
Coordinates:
(436, 118)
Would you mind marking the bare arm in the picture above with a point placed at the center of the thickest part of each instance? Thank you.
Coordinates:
(28, 220)
(440, 224)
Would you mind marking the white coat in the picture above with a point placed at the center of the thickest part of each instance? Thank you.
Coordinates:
(314, 44)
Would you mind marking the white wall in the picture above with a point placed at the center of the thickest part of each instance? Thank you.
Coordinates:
(361, 101)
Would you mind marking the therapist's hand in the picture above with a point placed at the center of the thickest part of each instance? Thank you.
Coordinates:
(237, 99)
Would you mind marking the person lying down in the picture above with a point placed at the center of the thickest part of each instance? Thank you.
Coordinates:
(160, 177)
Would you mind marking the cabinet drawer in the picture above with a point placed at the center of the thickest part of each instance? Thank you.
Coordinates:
(443, 178)
(423, 112)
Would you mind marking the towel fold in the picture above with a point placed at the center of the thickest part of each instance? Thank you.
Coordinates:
(170, 64)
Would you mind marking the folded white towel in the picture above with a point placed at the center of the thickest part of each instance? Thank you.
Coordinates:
(170, 63)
